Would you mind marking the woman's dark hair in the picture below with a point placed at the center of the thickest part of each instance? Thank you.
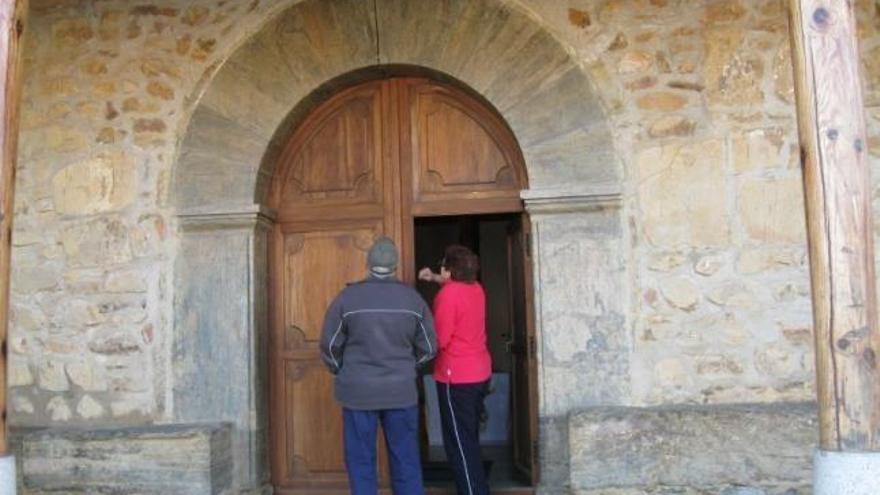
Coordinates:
(462, 263)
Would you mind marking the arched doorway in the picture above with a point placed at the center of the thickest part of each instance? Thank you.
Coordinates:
(242, 115)
(379, 158)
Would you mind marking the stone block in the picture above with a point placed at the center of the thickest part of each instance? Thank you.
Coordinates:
(19, 373)
(708, 265)
(502, 53)
(125, 281)
(635, 61)
(783, 362)
(583, 341)
(723, 12)
(87, 375)
(681, 194)
(530, 64)
(60, 139)
(347, 35)
(553, 454)
(732, 73)
(770, 210)
(89, 408)
(557, 109)
(100, 184)
(71, 32)
(707, 449)
(58, 409)
(562, 160)
(53, 378)
(783, 75)
(163, 459)
(219, 351)
(205, 178)
(97, 242)
(666, 261)
(733, 294)
(662, 101)
(672, 125)
(763, 259)
(30, 279)
(677, 490)
(680, 293)
(759, 149)
(265, 86)
(21, 405)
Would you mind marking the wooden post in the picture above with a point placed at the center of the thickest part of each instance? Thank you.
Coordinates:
(837, 189)
(12, 13)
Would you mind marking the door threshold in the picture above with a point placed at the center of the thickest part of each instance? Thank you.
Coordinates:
(430, 490)
(443, 490)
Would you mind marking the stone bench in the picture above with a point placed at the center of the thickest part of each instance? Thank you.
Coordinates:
(724, 449)
(166, 459)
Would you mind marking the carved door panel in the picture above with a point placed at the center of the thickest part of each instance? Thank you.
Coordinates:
(362, 164)
(333, 198)
(334, 162)
(463, 157)
(314, 266)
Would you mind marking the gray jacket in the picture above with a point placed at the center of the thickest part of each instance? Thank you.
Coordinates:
(376, 333)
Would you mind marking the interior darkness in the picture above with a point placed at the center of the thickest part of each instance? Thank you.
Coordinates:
(487, 236)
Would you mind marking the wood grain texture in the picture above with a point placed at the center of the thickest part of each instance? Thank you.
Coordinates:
(460, 150)
(523, 352)
(335, 159)
(313, 264)
(836, 178)
(349, 173)
(12, 18)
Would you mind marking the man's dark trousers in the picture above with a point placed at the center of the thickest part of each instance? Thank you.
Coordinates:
(401, 428)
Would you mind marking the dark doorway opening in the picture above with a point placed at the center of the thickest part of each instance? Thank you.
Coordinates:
(497, 240)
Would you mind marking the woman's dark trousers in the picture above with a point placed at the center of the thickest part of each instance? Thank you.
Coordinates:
(460, 408)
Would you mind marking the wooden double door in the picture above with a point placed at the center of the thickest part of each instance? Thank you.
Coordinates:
(365, 163)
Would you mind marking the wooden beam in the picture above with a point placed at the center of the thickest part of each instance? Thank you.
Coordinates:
(12, 16)
(837, 190)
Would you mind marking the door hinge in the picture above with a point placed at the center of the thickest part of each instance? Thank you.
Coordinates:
(528, 244)
(534, 449)
(533, 348)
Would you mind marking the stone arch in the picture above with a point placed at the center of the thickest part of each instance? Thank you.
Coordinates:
(499, 52)
(224, 168)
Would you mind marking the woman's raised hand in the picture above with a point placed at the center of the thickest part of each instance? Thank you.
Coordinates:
(427, 275)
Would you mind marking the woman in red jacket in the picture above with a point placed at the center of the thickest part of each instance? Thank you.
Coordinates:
(463, 365)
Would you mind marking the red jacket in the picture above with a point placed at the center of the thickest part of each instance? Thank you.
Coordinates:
(460, 323)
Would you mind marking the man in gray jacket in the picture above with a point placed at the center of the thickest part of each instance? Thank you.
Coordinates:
(376, 333)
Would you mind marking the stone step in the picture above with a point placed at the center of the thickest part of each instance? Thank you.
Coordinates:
(157, 459)
(731, 449)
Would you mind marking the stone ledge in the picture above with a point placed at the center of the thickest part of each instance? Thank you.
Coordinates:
(686, 490)
(741, 448)
(572, 200)
(210, 218)
(161, 459)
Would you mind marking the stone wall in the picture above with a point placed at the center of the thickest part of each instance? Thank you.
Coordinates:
(700, 96)
(226, 158)
(107, 88)
(708, 242)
